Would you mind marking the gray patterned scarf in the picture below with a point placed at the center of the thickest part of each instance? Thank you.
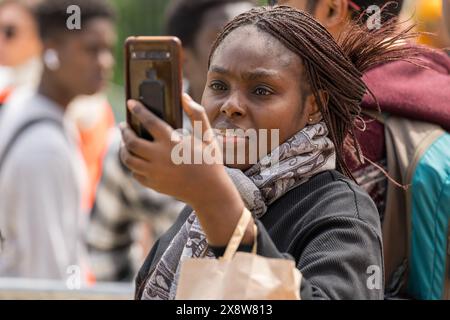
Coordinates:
(306, 154)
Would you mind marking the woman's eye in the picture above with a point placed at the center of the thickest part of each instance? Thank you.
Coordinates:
(217, 86)
(262, 92)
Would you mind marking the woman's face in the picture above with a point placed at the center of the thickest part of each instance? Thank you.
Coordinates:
(86, 58)
(254, 82)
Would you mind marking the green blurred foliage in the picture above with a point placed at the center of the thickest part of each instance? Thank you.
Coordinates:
(136, 18)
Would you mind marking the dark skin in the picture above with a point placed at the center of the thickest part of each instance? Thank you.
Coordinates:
(86, 62)
(272, 99)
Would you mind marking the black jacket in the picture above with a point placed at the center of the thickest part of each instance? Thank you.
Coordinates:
(329, 225)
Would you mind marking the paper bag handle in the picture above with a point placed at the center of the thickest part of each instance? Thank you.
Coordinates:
(238, 234)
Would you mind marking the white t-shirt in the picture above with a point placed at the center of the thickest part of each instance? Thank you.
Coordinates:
(40, 191)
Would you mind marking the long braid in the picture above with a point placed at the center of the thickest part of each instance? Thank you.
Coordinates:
(329, 67)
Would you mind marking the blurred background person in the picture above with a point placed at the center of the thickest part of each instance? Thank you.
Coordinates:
(22, 68)
(20, 47)
(125, 221)
(430, 21)
(127, 218)
(42, 174)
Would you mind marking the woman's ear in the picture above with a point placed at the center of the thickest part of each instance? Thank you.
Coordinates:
(313, 108)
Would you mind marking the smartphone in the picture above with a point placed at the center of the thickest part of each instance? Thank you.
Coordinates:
(153, 76)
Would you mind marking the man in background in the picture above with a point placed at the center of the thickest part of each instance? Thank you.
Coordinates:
(42, 174)
(21, 67)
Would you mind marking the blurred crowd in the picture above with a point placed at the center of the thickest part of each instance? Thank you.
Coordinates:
(65, 197)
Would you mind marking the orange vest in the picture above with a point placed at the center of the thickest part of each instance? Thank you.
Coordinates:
(93, 146)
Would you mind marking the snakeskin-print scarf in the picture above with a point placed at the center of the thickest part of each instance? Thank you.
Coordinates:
(306, 154)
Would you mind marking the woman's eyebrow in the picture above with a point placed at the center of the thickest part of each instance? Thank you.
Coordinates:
(259, 74)
(219, 70)
(249, 75)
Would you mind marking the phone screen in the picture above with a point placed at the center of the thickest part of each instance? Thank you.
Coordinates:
(154, 78)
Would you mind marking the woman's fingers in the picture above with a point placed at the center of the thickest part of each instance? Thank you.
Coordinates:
(135, 164)
(135, 145)
(159, 129)
(196, 113)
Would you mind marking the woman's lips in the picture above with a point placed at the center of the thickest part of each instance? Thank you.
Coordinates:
(231, 136)
(226, 128)
(232, 140)
(229, 133)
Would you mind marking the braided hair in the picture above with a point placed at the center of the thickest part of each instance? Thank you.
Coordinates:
(328, 67)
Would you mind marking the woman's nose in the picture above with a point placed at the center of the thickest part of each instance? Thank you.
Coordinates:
(233, 107)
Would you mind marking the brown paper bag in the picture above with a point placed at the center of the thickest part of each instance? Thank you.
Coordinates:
(239, 276)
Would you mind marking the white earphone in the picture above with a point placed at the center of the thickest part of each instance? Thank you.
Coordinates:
(51, 59)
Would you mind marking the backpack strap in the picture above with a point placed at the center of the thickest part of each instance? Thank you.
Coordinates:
(19, 132)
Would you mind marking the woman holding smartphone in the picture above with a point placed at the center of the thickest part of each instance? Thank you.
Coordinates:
(272, 69)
